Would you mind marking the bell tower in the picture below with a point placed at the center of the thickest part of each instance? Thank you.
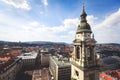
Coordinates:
(83, 62)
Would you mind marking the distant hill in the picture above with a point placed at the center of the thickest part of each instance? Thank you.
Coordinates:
(45, 42)
(112, 44)
(30, 43)
(37, 43)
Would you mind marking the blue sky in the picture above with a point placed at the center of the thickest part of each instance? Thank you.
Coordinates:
(57, 20)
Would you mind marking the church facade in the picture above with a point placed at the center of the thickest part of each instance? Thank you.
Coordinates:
(83, 62)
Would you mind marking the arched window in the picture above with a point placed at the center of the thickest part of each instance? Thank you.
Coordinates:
(77, 73)
(90, 51)
(78, 52)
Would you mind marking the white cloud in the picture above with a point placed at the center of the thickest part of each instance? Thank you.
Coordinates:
(105, 31)
(71, 23)
(41, 12)
(91, 19)
(22, 4)
(36, 31)
(45, 2)
(34, 23)
(108, 29)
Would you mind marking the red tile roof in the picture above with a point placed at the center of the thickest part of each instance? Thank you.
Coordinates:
(4, 66)
(4, 59)
(111, 75)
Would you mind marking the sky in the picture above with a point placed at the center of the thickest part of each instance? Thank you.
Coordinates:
(57, 20)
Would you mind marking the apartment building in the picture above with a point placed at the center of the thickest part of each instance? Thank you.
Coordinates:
(59, 68)
(9, 68)
(28, 60)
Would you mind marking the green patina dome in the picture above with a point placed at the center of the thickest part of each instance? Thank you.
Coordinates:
(83, 27)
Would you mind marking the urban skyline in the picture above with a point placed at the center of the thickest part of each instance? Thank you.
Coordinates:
(46, 20)
(82, 60)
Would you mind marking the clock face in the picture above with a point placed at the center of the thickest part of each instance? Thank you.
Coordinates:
(77, 36)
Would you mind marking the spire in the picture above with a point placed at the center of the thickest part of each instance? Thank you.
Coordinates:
(83, 15)
(83, 10)
(83, 26)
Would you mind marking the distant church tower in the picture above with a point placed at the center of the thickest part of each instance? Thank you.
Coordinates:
(84, 63)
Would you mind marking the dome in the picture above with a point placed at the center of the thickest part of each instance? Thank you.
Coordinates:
(83, 27)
